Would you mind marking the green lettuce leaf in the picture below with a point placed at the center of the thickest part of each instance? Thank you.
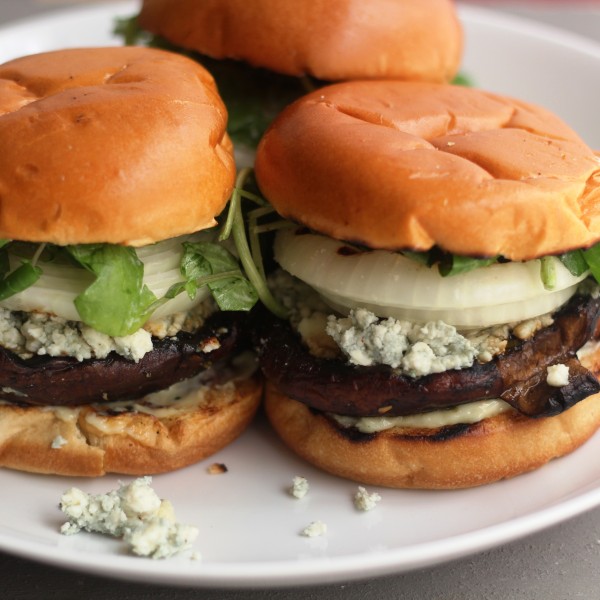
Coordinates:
(575, 262)
(592, 258)
(117, 302)
(207, 263)
(19, 279)
(451, 264)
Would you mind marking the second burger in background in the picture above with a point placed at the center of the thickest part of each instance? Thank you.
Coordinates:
(122, 319)
(266, 53)
(439, 266)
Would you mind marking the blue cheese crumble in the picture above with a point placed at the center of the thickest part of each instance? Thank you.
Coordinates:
(413, 349)
(41, 334)
(300, 487)
(315, 529)
(365, 501)
(134, 512)
(29, 334)
(365, 339)
(557, 375)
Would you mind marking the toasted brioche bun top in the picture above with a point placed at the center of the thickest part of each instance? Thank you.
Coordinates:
(328, 39)
(407, 165)
(118, 145)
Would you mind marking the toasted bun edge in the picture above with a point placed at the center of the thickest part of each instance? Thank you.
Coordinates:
(134, 443)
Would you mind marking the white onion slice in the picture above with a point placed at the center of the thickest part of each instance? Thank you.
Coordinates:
(391, 285)
(60, 284)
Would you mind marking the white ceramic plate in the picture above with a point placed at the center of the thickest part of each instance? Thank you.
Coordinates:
(249, 525)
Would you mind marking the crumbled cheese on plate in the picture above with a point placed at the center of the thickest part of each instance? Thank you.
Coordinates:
(365, 501)
(299, 487)
(315, 529)
(134, 512)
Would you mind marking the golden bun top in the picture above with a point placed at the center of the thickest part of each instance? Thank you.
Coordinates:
(117, 145)
(328, 39)
(408, 165)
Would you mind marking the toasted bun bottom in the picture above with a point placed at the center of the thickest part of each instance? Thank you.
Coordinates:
(135, 443)
(452, 457)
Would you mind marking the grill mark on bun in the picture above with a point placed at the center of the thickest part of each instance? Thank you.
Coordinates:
(442, 434)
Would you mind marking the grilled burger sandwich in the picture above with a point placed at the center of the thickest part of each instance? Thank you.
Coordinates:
(439, 267)
(122, 318)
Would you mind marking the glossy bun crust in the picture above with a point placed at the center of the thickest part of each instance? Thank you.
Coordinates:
(134, 443)
(453, 457)
(329, 39)
(405, 165)
(118, 145)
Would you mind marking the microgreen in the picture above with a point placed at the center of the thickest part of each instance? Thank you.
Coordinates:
(249, 252)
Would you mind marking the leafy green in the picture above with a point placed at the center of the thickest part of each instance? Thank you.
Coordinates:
(577, 262)
(592, 258)
(422, 258)
(253, 96)
(449, 264)
(452, 264)
(19, 279)
(117, 302)
(207, 263)
(252, 264)
(463, 79)
(574, 262)
(129, 29)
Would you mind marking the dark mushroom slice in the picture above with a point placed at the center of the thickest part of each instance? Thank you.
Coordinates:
(518, 376)
(65, 381)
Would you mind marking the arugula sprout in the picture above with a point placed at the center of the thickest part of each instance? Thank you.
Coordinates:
(19, 279)
(592, 259)
(448, 264)
(249, 253)
(577, 262)
(207, 263)
(453, 264)
(574, 262)
(117, 302)
(463, 79)
(22, 277)
(129, 29)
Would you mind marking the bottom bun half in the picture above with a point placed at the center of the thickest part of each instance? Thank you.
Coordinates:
(134, 439)
(458, 456)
